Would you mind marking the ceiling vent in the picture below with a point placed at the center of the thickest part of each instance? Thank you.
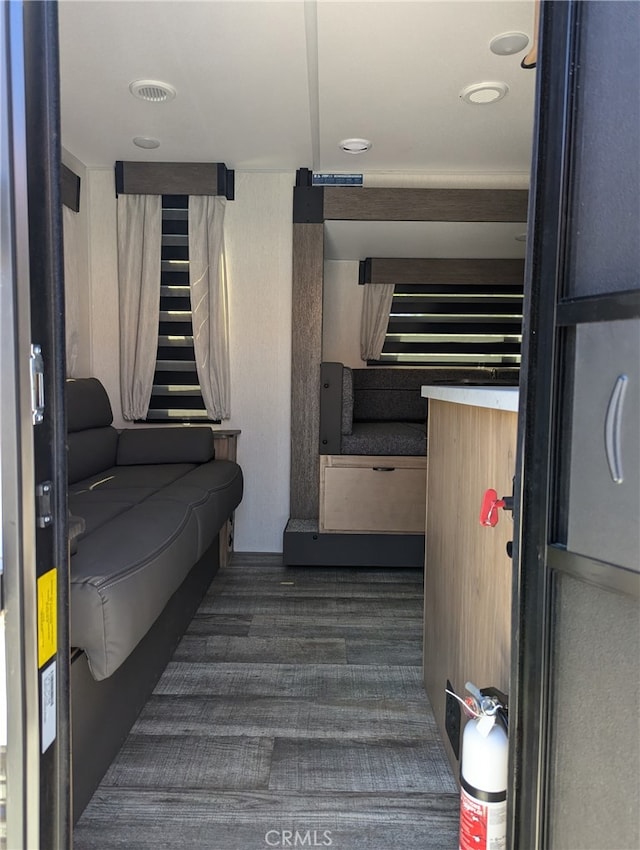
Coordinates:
(153, 91)
(355, 145)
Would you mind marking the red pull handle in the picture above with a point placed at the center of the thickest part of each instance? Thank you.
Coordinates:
(489, 510)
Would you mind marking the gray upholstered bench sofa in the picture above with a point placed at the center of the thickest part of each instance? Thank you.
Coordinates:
(372, 411)
(380, 411)
(146, 507)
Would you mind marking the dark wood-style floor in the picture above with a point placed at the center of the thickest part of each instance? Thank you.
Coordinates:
(292, 714)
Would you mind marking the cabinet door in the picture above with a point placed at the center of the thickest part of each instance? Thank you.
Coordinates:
(604, 506)
(363, 494)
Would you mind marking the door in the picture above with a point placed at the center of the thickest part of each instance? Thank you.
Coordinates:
(34, 716)
(575, 752)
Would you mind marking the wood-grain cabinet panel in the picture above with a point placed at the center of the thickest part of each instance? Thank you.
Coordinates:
(226, 447)
(363, 494)
(468, 574)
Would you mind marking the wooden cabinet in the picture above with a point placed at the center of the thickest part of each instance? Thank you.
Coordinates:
(226, 443)
(468, 574)
(364, 493)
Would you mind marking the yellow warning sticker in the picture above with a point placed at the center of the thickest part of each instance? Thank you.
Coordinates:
(47, 616)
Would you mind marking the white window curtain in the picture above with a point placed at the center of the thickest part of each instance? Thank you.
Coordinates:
(376, 305)
(139, 251)
(209, 306)
(72, 284)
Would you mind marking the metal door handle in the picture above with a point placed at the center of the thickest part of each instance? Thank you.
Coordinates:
(613, 428)
(384, 468)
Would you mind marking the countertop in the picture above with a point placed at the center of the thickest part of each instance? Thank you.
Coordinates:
(498, 398)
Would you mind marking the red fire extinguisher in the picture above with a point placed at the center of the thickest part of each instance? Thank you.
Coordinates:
(483, 772)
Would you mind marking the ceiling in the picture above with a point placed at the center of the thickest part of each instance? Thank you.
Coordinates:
(276, 85)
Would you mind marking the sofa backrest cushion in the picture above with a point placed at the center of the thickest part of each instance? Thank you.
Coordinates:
(90, 452)
(389, 395)
(187, 444)
(347, 401)
(88, 405)
(91, 440)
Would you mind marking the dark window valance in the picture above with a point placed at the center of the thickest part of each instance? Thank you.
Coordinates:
(408, 271)
(70, 189)
(174, 178)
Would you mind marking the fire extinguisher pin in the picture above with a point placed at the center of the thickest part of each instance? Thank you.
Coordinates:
(470, 709)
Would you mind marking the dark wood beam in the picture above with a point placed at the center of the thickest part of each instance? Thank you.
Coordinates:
(362, 204)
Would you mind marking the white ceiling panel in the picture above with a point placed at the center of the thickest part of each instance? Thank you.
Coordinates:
(275, 84)
(392, 73)
(239, 68)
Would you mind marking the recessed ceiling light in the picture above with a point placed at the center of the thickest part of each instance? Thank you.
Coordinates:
(508, 43)
(483, 93)
(146, 142)
(153, 91)
(355, 145)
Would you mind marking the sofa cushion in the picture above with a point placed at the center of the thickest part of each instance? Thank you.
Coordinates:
(122, 576)
(389, 395)
(90, 452)
(165, 445)
(213, 489)
(103, 496)
(88, 405)
(76, 527)
(146, 528)
(390, 406)
(386, 438)
(347, 400)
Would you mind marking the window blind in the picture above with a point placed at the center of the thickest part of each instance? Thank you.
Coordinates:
(176, 392)
(455, 324)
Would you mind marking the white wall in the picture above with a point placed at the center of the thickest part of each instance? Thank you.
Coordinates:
(341, 312)
(258, 241)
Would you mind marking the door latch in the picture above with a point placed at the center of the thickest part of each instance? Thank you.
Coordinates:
(37, 384)
(44, 513)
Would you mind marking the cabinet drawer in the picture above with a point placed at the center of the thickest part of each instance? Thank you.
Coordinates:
(372, 494)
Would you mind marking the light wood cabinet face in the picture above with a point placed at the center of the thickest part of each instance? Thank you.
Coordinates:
(468, 575)
(363, 494)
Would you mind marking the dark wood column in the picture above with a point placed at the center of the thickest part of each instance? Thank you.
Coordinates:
(306, 354)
